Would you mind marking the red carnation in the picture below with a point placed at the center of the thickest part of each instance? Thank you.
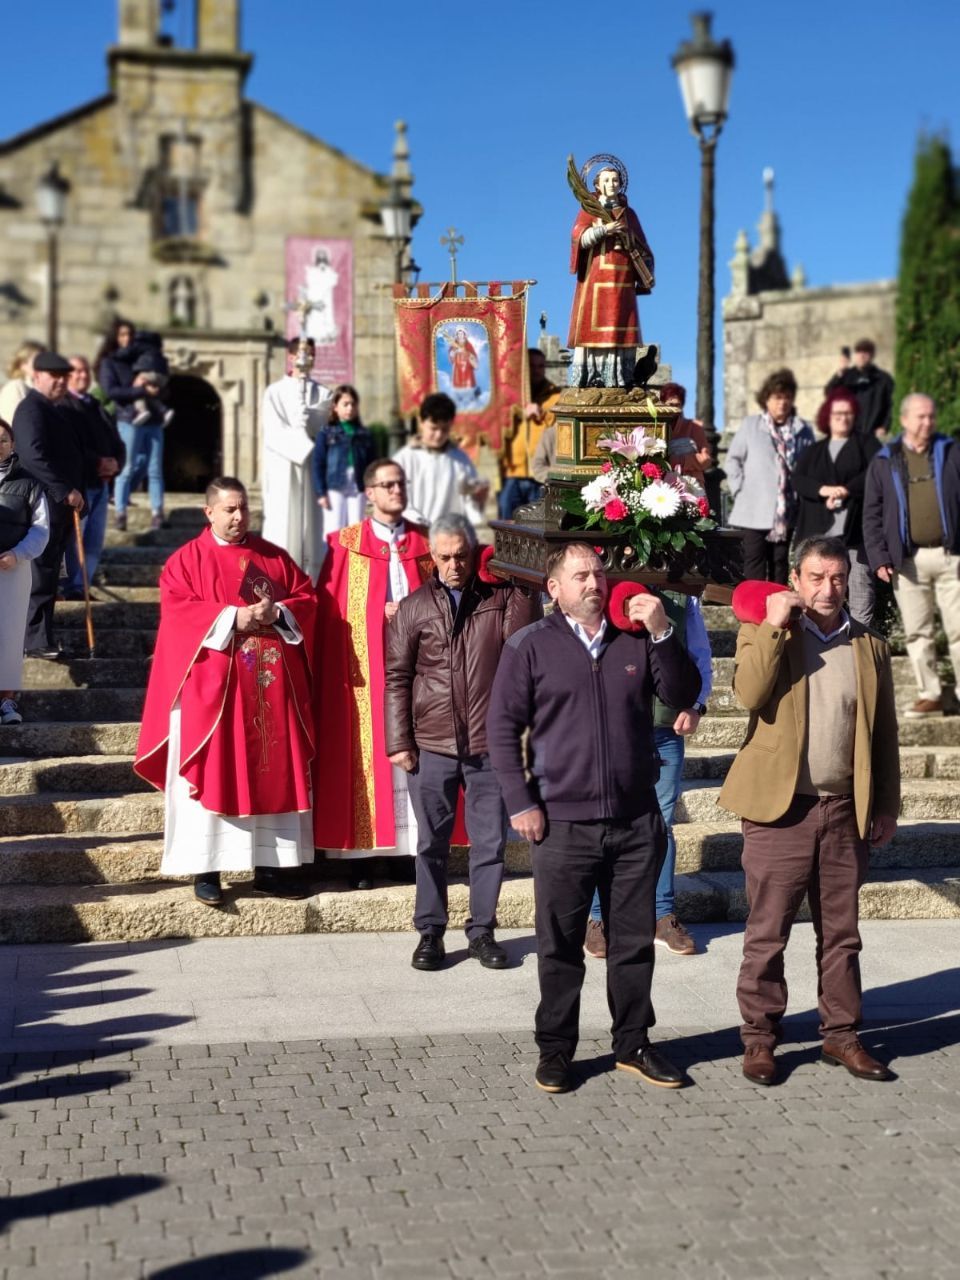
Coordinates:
(607, 466)
(616, 509)
(650, 470)
(703, 506)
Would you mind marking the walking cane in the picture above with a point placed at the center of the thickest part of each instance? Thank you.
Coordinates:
(82, 557)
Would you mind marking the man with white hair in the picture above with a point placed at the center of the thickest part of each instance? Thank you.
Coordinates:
(443, 646)
(911, 532)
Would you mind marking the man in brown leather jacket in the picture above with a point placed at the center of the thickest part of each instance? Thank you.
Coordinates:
(443, 646)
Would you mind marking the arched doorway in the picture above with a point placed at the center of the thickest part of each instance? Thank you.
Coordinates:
(193, 447)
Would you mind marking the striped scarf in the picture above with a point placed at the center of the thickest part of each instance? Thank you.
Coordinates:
(785, 443)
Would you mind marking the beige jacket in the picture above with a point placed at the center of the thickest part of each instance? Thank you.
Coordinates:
(769, 681)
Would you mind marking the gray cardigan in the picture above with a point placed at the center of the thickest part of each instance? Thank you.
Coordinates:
(751, 468)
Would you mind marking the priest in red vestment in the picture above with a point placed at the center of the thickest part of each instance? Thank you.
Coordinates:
(360, 799)
(613, 263)
(227, 730)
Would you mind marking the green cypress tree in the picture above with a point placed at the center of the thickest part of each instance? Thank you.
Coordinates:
(928, 287)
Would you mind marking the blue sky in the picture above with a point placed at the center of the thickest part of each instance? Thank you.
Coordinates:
(497, 94)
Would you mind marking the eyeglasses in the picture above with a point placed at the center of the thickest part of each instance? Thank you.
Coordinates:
(389, 484)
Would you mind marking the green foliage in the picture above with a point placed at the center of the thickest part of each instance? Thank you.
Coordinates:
(928, 289)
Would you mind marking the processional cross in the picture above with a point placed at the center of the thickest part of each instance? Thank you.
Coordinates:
(450, 242)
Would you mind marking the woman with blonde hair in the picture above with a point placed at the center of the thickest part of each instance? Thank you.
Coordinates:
(20, 374)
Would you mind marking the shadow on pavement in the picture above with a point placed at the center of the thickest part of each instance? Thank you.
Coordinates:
(94, 1193)
(245, 1264)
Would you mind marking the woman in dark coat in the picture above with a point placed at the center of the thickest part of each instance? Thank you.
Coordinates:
(829, 480)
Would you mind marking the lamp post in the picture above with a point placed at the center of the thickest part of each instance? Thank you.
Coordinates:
(51, 196)
(396, 214)
(704, 68)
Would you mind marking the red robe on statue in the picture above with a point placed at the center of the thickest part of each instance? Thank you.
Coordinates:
(353, 778)
(246, 732)
(463, 358)
(604, 312)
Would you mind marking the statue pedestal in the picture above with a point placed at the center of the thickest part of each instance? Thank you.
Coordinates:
(584, 416)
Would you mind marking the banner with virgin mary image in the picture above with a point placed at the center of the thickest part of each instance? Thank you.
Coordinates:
(473, 348)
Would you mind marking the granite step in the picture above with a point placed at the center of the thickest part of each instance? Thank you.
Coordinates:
(112, 576)
(915, 762)
(73, 775)
(86, 673)
(110, 615)
(729, 731)
(921, 798)
(80, 705)
(111, 642)
(39, 740)
(119, 913)
(64, 811)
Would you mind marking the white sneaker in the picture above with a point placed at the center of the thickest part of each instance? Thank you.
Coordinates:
(9, 713)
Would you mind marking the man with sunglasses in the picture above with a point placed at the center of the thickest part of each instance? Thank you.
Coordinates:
(361, 809)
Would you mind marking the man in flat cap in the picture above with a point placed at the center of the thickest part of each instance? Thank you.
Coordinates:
(49, 449)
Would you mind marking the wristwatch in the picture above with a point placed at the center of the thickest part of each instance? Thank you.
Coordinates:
(700, 708)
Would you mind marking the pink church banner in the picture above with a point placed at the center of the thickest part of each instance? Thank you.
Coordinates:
(322, 272)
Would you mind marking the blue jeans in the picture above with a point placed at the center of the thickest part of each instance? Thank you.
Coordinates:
(670, 750)
(144, 458)
(515, 492)
(94, 532)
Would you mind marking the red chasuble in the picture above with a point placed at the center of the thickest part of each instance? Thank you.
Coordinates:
(604, 310)
(246, 732)
(353, 778)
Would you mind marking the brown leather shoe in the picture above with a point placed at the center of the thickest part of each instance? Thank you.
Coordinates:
(596, 940)
(672, 935)
(925, 707)
(759, 1064)
(855, 1058)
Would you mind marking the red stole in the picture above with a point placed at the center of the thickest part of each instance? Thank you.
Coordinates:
(246, 733)
(353, 778)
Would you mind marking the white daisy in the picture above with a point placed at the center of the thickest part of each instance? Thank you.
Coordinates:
(598, 491)
(660, 499)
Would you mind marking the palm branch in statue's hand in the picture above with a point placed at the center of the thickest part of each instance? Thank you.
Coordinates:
(588, 200)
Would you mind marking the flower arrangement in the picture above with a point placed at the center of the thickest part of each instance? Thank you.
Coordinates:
(639, 495)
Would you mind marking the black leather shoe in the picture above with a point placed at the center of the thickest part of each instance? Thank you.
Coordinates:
(653, 1067)
(490, 953)
(48, 655)
(430, 952)
(206, 888)
(553, 1073)
(275, 882)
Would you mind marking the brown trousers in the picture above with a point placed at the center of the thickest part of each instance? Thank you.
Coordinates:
(814, 849)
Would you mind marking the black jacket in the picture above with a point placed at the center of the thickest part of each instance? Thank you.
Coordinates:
(591, 722)
(873, 389)
(48, 445)
(97, 433)
(814, 468)
(886, 513)
(18, 497)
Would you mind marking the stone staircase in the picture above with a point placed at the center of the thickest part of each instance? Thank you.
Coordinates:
(80, 834)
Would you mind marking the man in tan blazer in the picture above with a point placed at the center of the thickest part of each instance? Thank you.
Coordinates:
(817, 784)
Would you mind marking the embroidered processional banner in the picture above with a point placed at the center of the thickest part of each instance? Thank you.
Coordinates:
(471, 347)
(321, 272)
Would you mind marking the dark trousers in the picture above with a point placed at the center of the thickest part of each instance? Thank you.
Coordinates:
(434, 787)
(765, 561)
(622, 859)
(45, 571)
(813, 849)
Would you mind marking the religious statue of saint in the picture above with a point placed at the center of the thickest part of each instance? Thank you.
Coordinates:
(613, 263)
(319, 281)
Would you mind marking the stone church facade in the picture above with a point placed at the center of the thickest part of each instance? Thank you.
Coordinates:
(772, 318)
(182, 193)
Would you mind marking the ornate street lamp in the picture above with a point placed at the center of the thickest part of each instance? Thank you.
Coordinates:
(396, 215)
(51, 196)
(704, 68)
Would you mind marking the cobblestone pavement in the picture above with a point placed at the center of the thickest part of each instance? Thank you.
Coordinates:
(428, 1157)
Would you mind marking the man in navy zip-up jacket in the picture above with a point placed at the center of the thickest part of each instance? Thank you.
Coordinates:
(584, 689)
(911, 532)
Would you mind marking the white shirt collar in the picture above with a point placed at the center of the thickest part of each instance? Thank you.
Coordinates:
(810, 625)
(222, 542)
(593, 644)
(388, 532)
